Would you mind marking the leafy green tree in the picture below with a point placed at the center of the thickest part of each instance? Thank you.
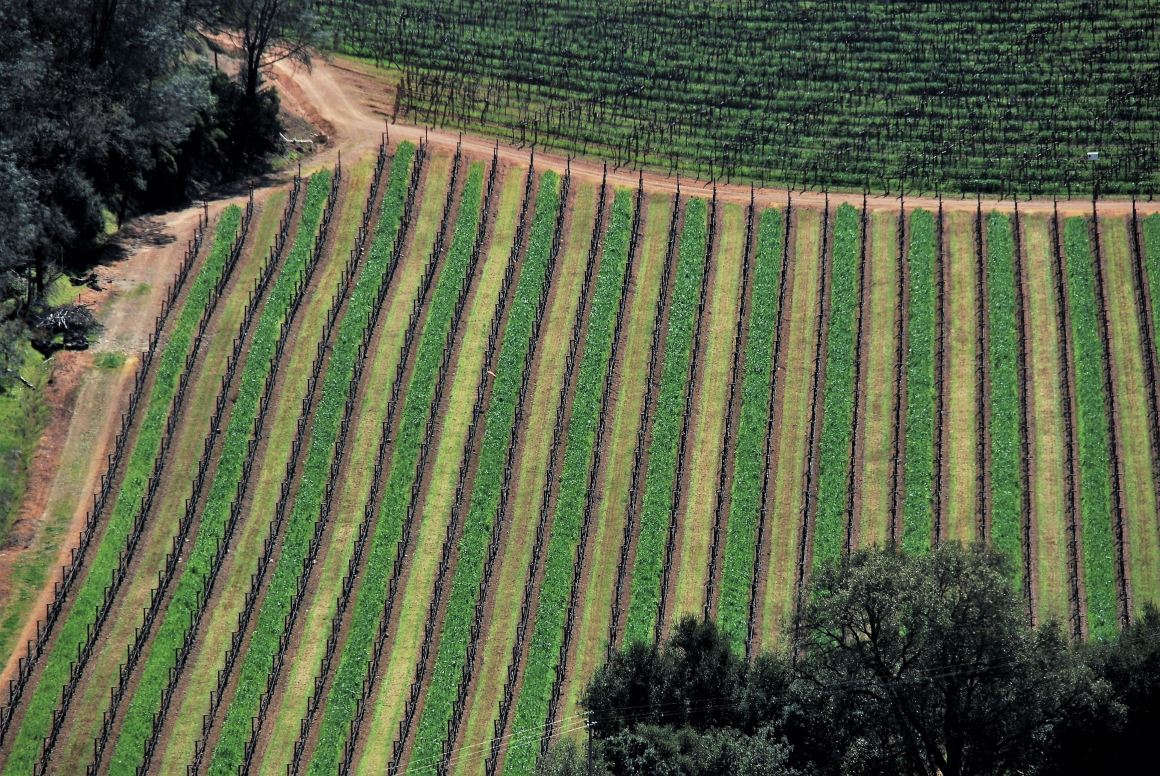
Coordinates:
(925, 664)
(105, 112)
(1114, 729)
(696, 680)
(567, 759)
(899, 664)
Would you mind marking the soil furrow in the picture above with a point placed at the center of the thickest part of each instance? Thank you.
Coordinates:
(897, 483)
(693, 392)
(786, 294)
(1075, 556)
(815, 400)
(1022, 357)
(732, 419)
(857, 431)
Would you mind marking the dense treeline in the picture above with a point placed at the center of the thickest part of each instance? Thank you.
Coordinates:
(901, 664)
(970, 96)
(108, 109)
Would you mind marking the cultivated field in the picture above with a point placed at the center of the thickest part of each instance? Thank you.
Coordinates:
(966, 96)
(421, 437)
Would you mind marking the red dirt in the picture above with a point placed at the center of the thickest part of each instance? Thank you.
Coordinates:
(130, 294)
(1026, 391)
(897, 476)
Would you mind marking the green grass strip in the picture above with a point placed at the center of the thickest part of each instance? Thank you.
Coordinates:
(255, 370)
(918, 522)
(485, 496)
(660, 484)
(838, 402)
(23, 413)
(1092, 428)
(752, 424)
(328, 413)
(1004, 436)
(1150, 227)
(355, 659)
(169, 366)
(543, 650)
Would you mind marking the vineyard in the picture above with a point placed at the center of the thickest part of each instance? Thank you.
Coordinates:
(418, 439)
(970, 96)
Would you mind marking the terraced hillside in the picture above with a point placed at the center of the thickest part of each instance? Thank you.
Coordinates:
(420, 438)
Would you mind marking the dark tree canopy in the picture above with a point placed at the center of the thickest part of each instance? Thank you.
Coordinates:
(900, 664)
(925, 664)
(105, 112)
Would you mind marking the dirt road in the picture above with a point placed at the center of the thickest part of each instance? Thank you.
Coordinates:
(85, 404)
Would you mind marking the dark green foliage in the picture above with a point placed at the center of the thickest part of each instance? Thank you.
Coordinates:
(1006, 421)
(653, 749)
(104, 114)
(1092, 406)
(693, 681)
(665, 436)
(752, 425)
(839, 392)
(920, 388)
(918, 663)
(976, 95)
(231, 137)
(904, 663)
